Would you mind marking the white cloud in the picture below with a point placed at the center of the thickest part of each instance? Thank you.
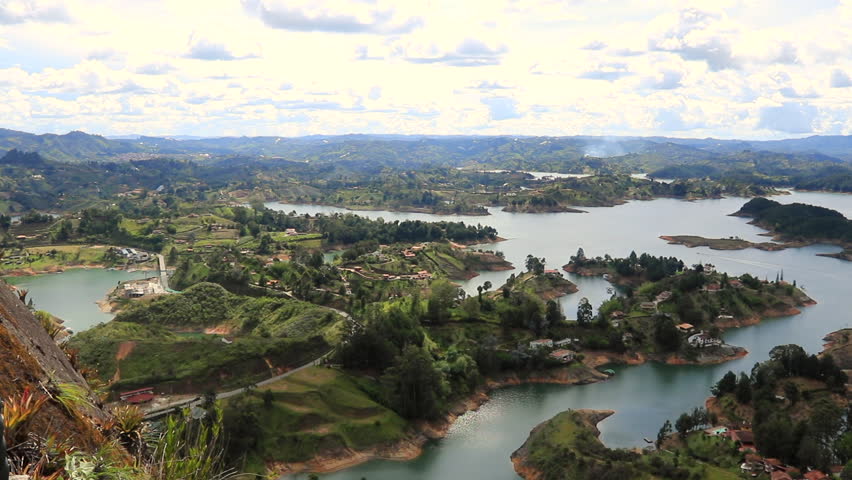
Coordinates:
(840, 79)
(289, 67)
(315, 17)
(793, 118)
(23, 11)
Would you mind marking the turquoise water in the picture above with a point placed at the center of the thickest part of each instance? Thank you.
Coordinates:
(71, 295)
(479, 443)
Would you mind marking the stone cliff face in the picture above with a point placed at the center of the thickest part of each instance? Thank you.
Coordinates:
(31, 359)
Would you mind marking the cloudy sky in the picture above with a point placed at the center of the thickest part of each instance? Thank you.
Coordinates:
(724, 68)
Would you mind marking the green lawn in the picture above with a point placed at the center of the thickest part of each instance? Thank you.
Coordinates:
(313, 410)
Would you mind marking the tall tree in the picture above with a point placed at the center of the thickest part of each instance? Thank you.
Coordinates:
(585, 312)
(414, 385)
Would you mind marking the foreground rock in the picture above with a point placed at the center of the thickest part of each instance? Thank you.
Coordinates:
(31, 361)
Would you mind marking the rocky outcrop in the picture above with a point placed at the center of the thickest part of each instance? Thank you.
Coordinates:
(31, 359)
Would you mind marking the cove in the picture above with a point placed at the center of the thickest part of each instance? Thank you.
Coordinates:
(71, 295)
(479, 443)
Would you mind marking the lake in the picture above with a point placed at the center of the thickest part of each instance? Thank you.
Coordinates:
(71, 295)
(479, 443)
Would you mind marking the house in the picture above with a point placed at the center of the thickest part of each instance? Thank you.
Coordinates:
(684, 327)
(227, 341)
(724, 318)
(616, 314)
(815, 475)
(627, 337)
(735, 283)
(541, 343)
(712, 288)
(702, 340)
(424, 275)
(663, 296)
(716, 431)
(564, 356)
(779, 475)
(649, 306)
(552, 272)
(743, 438)
(141, 395)
(290, 232)
(563, 342)
(408, 254)
(753, 464)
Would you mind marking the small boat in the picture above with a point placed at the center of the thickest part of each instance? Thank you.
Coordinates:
(609, 372)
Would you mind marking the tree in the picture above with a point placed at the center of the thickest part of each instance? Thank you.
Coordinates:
(664, 432)
(553, 314)
(414, 385)
(727, 384)
(743, 391)
(173, 256)
(265, 246)
(471, 307)
(444, 295)
(683, 424)
(792, 392)
(585, 312)
(666, 334)
(535, 265)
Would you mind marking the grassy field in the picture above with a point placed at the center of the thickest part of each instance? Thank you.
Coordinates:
(317, 409)
(45, 258)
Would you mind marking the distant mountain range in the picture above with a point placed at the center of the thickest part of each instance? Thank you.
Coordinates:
(446, 150)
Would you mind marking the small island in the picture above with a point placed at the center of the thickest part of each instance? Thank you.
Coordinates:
(546, 284)
(791, 226)
(567, 447)
(732, 243)
(675, 314)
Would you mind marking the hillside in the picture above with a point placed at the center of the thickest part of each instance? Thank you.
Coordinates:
(169, 341)
(32, 364)
(798, 221)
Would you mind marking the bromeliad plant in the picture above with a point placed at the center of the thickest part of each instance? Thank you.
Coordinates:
(19, 411)
(128, 426)
(190, 449)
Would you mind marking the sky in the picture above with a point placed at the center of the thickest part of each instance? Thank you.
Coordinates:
(756, 69)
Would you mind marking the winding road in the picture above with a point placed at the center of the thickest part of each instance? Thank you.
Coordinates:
(193, 402)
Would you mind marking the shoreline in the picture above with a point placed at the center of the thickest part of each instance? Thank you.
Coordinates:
(55, 269)
(412, 446)
(386, 209)
(590, 419)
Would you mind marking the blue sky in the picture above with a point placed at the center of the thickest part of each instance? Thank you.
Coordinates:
(723, 68)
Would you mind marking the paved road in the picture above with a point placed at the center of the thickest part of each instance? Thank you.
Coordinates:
(192, 402)
(164, 276)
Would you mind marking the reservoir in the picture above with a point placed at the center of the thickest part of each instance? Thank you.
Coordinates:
(479, 443)
(71, 295)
